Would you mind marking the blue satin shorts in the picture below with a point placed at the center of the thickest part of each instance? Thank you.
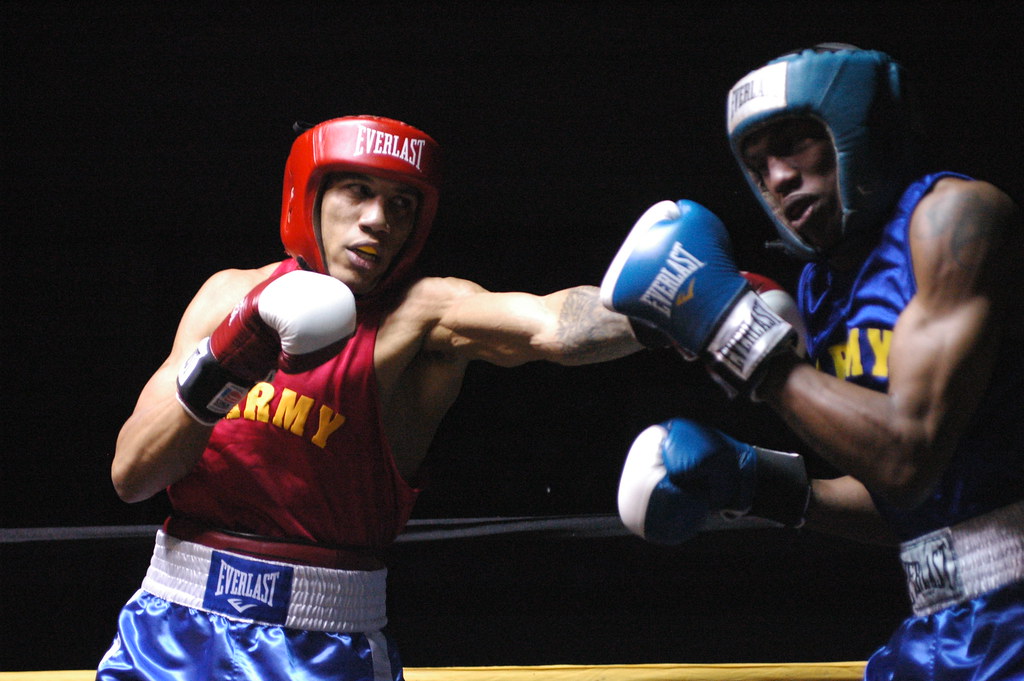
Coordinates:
(162, 641)
(980, 640)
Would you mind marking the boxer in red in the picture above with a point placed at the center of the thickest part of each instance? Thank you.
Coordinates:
(290, 421)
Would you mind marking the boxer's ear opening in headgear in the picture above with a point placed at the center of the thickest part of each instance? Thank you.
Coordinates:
(381, 147)
(861, 98)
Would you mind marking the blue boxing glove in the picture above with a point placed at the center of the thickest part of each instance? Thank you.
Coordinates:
(675, 272)
(679, 472)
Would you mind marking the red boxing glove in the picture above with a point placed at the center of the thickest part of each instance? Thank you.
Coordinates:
(295, 322)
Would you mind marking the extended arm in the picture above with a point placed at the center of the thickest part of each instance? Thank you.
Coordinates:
(680, 472)
(568, 327)
(966, 244)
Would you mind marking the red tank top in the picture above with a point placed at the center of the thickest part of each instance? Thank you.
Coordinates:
(305, 456)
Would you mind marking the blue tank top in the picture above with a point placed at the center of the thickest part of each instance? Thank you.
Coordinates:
(850, 317)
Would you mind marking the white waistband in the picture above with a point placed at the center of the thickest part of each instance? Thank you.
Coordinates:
(957, 563)
(252, 590)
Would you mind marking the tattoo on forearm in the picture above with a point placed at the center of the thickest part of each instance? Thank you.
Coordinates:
(587, 330)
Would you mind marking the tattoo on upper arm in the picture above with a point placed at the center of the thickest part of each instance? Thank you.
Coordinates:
(966, 222)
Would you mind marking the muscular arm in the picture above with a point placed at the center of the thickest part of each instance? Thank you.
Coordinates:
(568, 327)
(160, 442)
(965, 238)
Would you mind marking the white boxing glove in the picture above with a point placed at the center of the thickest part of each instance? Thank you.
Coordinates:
(294, 322)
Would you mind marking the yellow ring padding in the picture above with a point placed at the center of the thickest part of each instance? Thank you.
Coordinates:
(830, 671)
(801, 671)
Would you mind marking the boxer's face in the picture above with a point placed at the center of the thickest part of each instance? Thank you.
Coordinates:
(364, 221)
(795, 164)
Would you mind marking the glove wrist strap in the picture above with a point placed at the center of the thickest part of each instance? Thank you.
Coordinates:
(206, 390)
(648, 335)
(750, 333)
(782, 490)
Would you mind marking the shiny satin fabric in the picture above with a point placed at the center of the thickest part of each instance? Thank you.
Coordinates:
(161, 641)
(980, 640)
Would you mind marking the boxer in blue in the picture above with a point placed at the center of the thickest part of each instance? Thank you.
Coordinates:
(909, 309)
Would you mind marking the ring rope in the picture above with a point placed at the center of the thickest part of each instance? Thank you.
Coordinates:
(417, 530)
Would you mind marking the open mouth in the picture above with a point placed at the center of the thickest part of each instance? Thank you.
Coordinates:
(369, 253)
(797, 210)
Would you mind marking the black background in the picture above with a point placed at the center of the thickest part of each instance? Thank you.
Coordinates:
(144, 144)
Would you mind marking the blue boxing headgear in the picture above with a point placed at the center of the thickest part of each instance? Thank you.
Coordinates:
(859, 96)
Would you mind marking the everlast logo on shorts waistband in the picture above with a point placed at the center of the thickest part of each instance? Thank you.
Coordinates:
(408, 149)
(929, 563)
(247, 589)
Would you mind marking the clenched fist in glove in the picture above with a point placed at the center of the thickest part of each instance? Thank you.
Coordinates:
(675, 272)
(293, 322)
(679, 472)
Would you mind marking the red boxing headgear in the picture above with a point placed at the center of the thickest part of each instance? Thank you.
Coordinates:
(376, 146)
